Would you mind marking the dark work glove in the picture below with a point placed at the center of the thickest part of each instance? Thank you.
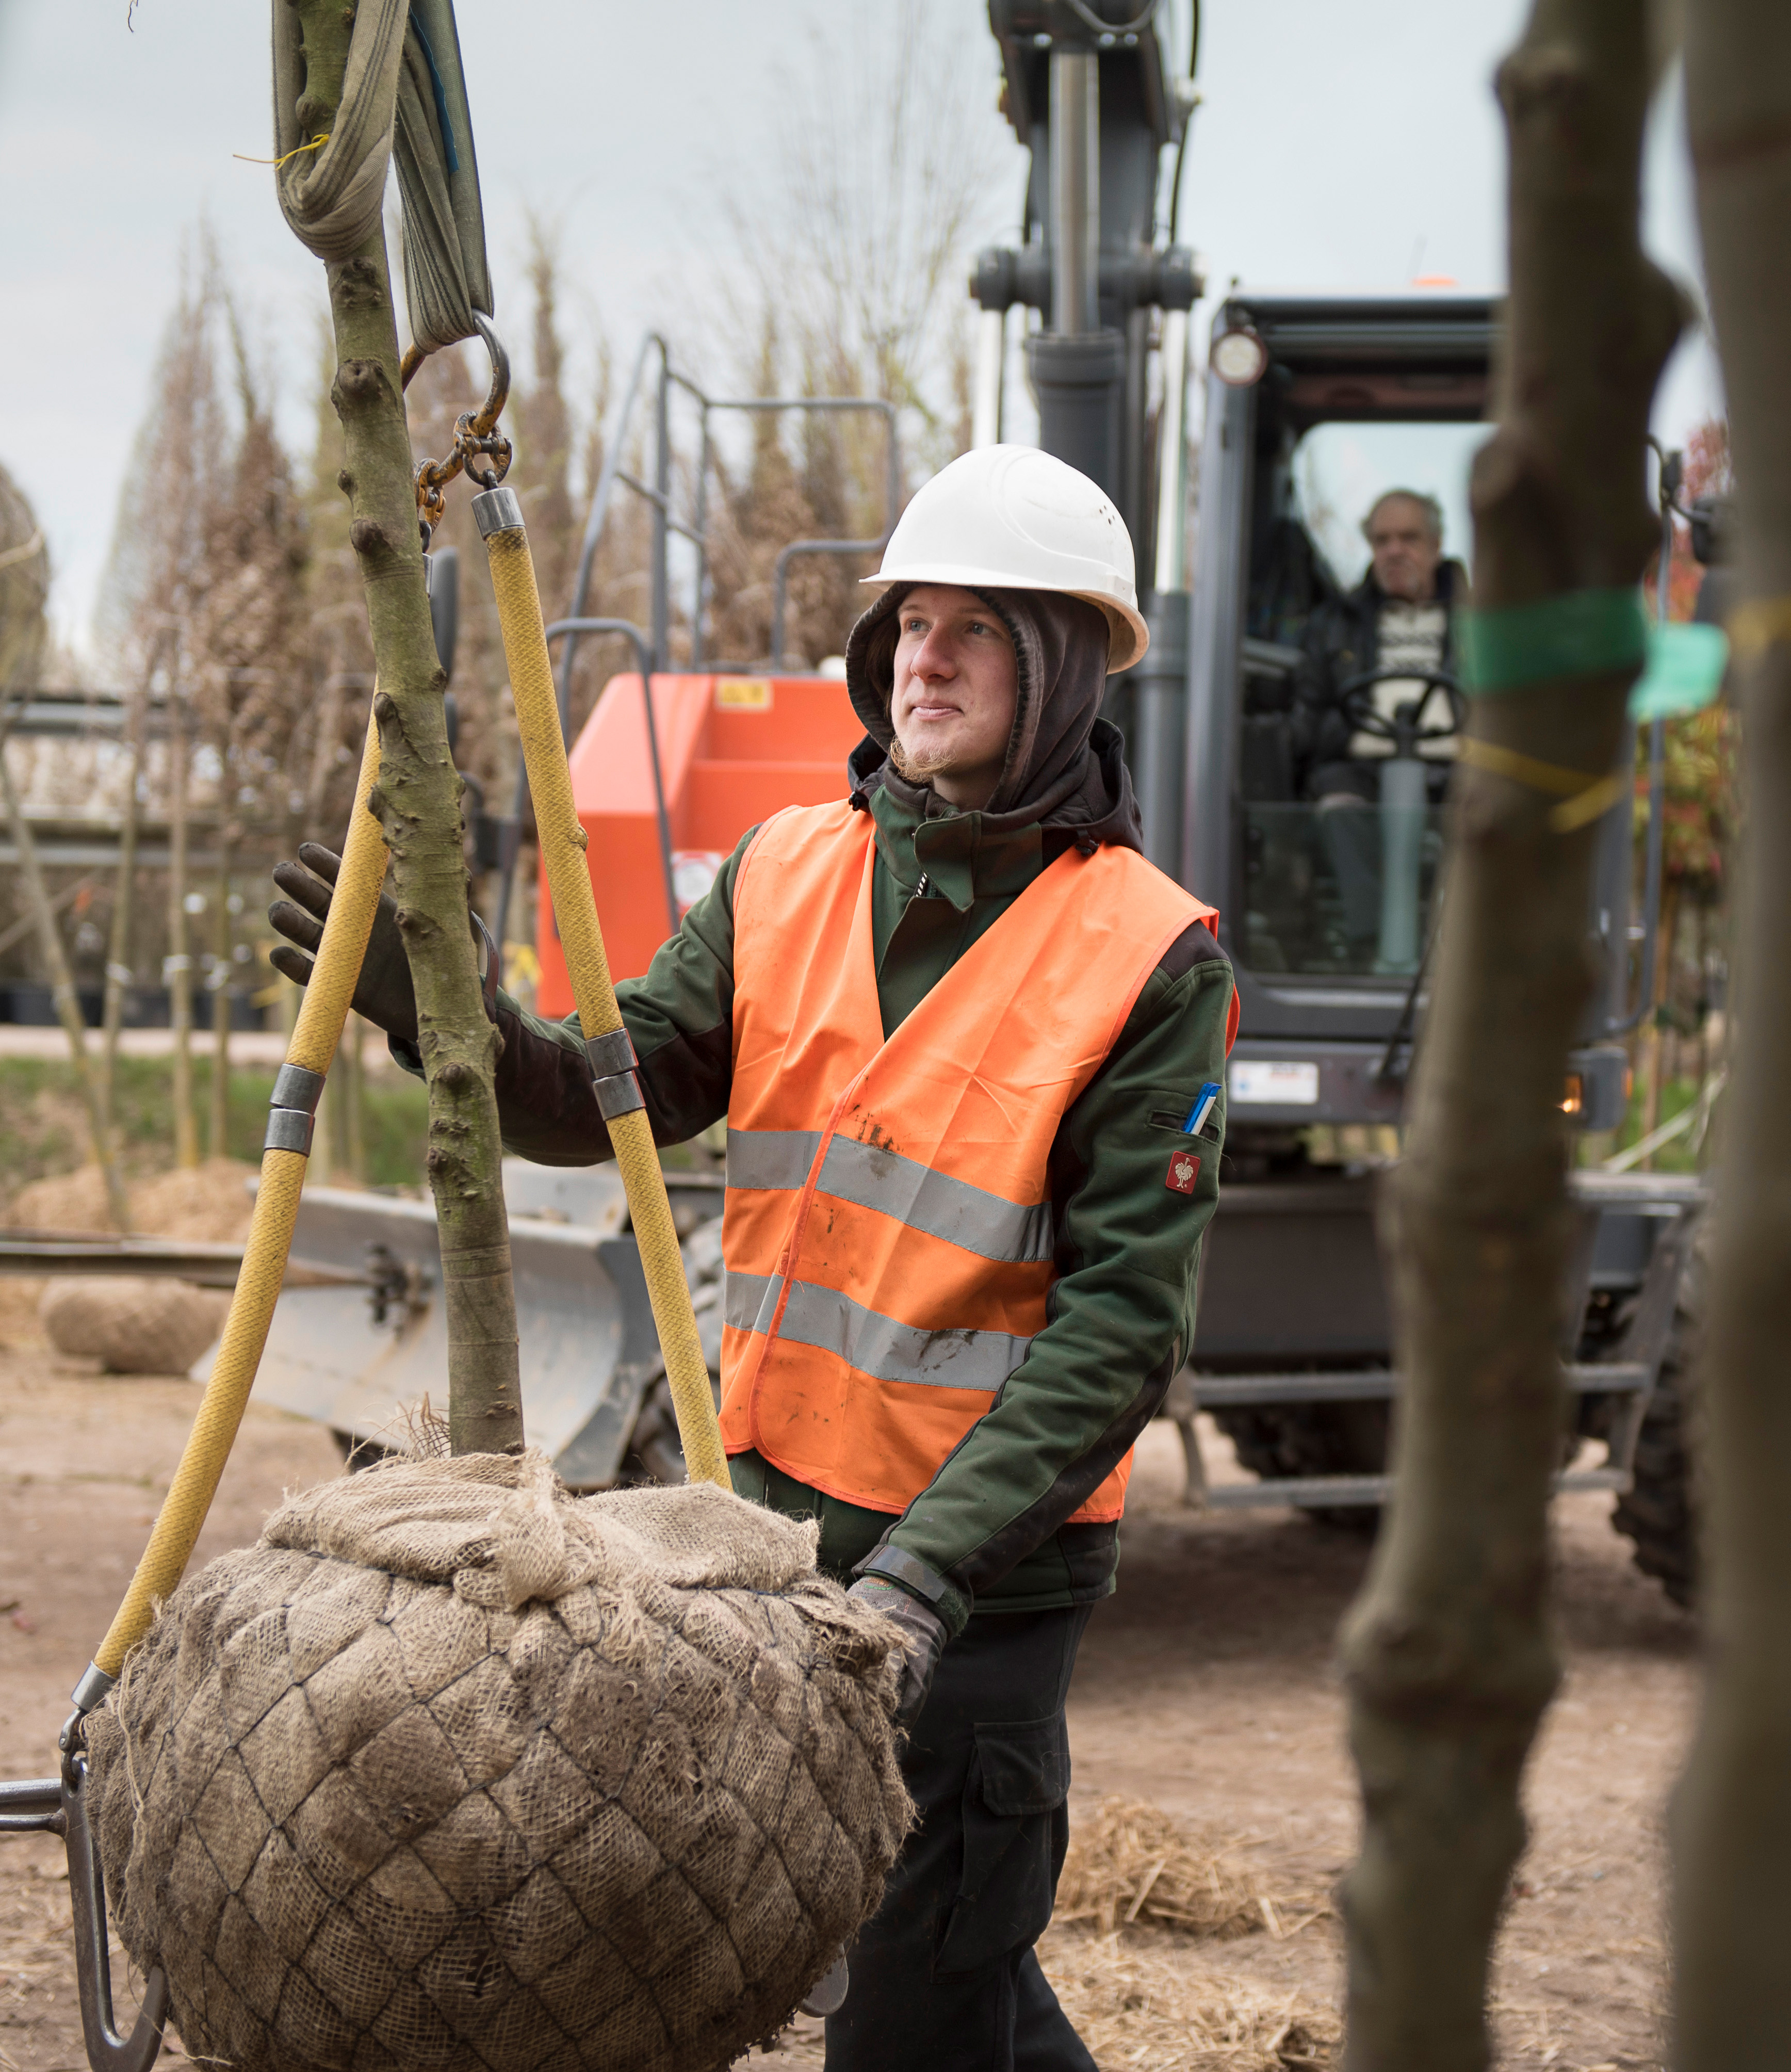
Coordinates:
(383, 993)
(923, 1638)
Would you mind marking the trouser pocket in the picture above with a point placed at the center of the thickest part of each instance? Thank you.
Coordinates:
(1015, 1828)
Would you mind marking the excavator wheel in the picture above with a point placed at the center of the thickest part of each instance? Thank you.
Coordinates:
(1278, 1441)
(1658, 1511)
(1655, 1512)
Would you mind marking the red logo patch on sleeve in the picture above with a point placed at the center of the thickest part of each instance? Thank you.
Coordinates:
(1184, 1170)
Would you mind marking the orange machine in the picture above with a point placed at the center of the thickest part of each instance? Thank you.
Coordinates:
(733, 750)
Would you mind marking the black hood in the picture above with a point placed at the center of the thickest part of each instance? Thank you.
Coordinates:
(1065, 766)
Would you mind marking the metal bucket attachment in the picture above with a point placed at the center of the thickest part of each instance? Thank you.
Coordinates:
(591, 1196)
(358, 1356)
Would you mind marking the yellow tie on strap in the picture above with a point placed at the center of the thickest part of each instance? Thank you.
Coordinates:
(298, 151)
(500, 522)
(321, 1017)
(1757, 624)
(1584, 797)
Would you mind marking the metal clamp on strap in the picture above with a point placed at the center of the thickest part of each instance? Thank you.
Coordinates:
(92, 1689)
(297, 1086)
(497, 511)
(292, 1109)
(613, 1067)
(290, 1129)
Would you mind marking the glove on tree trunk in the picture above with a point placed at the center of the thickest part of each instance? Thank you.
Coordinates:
(1448, 1655)
(1732, 1818)
(418, 801)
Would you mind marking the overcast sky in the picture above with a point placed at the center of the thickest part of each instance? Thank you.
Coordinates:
(1341, 143)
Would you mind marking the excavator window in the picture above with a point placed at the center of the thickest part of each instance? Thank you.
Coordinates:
(1340, 773)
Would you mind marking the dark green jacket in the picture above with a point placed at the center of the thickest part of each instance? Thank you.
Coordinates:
(991, 1523)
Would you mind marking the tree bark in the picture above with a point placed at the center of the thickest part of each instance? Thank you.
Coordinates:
(1448, 1653)
(1732, 1814)
(418, 802)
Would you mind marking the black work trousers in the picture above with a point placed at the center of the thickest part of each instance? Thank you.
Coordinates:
(943, 1978)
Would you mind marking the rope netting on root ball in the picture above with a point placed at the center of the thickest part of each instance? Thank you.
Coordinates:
(453, 1769)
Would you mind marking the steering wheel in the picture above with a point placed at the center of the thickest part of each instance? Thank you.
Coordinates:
(1404, 728)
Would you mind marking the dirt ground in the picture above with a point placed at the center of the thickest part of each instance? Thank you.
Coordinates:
(1207, 1686)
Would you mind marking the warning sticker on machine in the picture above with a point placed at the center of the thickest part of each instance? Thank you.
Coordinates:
(743, 693)
(1274, 1083)
(693, 872)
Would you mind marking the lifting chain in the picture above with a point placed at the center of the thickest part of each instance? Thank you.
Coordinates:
(480, 451)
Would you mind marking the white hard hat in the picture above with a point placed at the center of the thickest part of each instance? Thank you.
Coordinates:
(1013, 518)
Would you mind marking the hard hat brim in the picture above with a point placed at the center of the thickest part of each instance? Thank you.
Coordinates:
(1131, 636)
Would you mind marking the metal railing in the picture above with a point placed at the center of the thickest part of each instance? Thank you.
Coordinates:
(651, 644)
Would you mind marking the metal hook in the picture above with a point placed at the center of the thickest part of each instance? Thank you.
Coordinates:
(107, 2051)
(499, 394)
(476, 433)
(490, 975)
(58, 1806)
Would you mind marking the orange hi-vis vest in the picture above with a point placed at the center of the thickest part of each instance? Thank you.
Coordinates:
(888, 1234)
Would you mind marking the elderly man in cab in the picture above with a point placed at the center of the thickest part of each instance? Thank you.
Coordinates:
(1396, 618)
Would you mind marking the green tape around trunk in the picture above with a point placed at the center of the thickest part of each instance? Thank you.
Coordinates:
(1685, 672)
(1582, 633)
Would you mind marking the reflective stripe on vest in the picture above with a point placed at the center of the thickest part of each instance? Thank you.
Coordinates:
(914, 1194)
(888, 1234)
(874, 1345)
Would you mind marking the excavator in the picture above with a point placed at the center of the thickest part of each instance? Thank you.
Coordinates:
(1313, 406)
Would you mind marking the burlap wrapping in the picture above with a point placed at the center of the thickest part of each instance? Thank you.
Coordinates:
(132, 1325)
(454, 1770)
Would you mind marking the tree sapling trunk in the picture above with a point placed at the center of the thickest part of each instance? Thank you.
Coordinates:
(1732, 1816)
(1447, 1654)
(418, 803)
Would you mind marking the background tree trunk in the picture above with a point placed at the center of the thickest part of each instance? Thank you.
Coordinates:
(1732, 1818)
(179, 968)
(62, 987)
(354, 1134)
(217, 1131)
(1448, 1655)
(124, 900)
(1654, 1046)
(418, 802)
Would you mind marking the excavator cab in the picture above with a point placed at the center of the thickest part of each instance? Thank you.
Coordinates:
(1316, 779)
(1341, 882)
(1331, 876)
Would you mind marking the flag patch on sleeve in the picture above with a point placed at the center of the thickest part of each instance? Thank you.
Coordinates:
(1184, 1170)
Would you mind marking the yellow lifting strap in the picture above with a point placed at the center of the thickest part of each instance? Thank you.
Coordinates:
(308, 1055)
(562, 838)
(321, 1016)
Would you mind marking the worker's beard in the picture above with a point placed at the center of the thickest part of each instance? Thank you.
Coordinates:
(917, 770)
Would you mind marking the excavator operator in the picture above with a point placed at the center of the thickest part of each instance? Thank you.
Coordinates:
(970, 1046)
(1399, 613)
(1397, 616)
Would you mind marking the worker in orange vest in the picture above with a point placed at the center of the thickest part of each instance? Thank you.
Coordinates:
(970, 1046)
